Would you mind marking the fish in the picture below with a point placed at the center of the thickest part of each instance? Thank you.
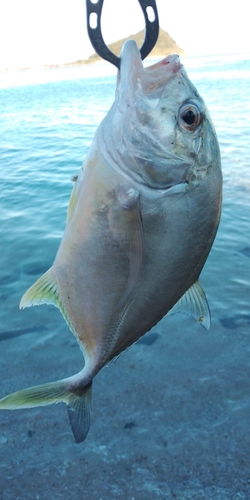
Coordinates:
(141, 221)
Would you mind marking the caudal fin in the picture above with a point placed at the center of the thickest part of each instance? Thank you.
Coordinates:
(78, 403)
(79, 412)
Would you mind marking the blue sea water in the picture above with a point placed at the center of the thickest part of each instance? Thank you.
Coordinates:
(48, 119)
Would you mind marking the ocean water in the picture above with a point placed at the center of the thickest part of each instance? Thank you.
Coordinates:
(48, 119)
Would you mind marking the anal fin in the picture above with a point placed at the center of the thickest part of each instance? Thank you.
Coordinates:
(194, 303)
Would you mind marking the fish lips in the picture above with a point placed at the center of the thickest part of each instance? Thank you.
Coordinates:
(151, 81)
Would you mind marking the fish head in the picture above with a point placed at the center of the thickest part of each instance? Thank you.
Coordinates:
(162, 134)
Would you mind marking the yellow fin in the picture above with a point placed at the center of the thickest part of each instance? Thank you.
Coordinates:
(45, 291)
(78, 402)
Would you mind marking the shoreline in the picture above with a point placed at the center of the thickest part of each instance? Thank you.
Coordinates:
(87, 63)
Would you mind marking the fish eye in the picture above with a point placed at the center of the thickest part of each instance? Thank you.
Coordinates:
(189, 117)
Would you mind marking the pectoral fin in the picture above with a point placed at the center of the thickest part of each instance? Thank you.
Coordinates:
(134, 235)
(126, 226)
(73, 201)
(194, 303)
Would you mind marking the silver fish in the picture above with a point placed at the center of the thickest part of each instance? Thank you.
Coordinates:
(141, 221)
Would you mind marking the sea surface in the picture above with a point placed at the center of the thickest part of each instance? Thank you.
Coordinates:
(47, 122)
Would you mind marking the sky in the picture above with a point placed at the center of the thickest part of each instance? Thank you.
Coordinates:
(37, 32)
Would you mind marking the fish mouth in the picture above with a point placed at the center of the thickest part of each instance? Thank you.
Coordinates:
(151, 80)
(172, 61)
(134, 142)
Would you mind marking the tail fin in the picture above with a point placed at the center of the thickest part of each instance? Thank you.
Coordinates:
(78, 403)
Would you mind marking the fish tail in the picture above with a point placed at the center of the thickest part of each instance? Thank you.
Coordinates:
(78, 400)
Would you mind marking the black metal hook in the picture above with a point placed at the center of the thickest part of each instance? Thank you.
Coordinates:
(96, 38)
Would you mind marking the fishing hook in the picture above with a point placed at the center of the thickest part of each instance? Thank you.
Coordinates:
(96, 38)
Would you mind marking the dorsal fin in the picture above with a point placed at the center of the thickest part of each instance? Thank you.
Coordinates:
(194, 303)
(45, 291)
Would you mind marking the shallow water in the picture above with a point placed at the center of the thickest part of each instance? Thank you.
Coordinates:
(47, 123)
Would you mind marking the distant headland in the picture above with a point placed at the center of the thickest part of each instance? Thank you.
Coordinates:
(165, 45)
